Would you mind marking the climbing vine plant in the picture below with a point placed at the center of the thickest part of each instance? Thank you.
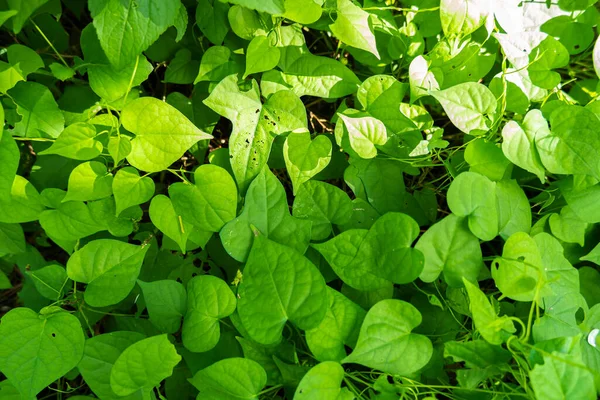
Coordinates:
(299, 199)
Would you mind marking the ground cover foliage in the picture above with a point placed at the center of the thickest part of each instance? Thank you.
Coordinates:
(299, 199)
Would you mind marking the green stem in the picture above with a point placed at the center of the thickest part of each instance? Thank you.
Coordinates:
(49, 43)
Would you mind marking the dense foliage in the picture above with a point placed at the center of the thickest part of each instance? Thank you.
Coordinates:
(299, 199)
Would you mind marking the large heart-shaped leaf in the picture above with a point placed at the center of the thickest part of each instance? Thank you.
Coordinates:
(386, 341)
(109, 267)
(209, 300)
(163, 133)
(230, 379)
(36, 350)
(268, 298)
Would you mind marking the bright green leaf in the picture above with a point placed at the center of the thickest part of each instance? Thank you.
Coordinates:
(165, 218)
(353, 27)
(323, 382)
(78, 141)
(130, 189)
(166, 303)
(304, 158)
(89, 181)
(261, 56)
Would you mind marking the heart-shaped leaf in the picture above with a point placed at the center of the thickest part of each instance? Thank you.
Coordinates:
(130, 189)
(304, 158)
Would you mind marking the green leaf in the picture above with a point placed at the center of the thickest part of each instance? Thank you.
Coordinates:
(302, 11)
(254, 124)
(268, 298)
(166, 303)
(305, 158)
(575, 36)
(386, 341)
(38, 109)
(353, 27)
(182, 69)
(267, 210)
(130, 189)
(209, 300)
(127, 28)
(99, 356)
(217, 63)
(163, 133)
(461, 18)
(211, 18)
(27, 339)
(109, 267)
(25, 203)
(210, 202)
(71, 221)
(562, 151)
(487, 159)
(61, 72)
(107, 81)
(536, 52)
(514, 210)
(25, 9)
(323, 204)
(230, 379)
(119, 147)
(50, 281)
(568, 227)
(323, 382)
(12, 239)
(10, 155)
(468, 106)
(477, 353)
(165, 218)
(519, 146)
(473, 196)
(143, 365)
(25, 58)
(89, 181)
(266, 6)
(261, 56)
(340, 327)
(519, 272)
(494, 329)
(364, 133)
(562, 376)
(78, 141)
(450, 248)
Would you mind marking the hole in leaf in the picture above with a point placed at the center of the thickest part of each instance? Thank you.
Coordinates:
(576, 47)
(579, 315)
(53, 334)
(390, 380)
(194, 275)
(521, 258)
(179, 280)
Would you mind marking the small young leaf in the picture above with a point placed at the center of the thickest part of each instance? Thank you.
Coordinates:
(304, 158)
(89, 181)
(463, 17)
(209, 300)
(211, 18)
(473, 196)
(364, 133)
(171, 224)
(143, 365)
(130, 189)
(386, 341)
(109, 267)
